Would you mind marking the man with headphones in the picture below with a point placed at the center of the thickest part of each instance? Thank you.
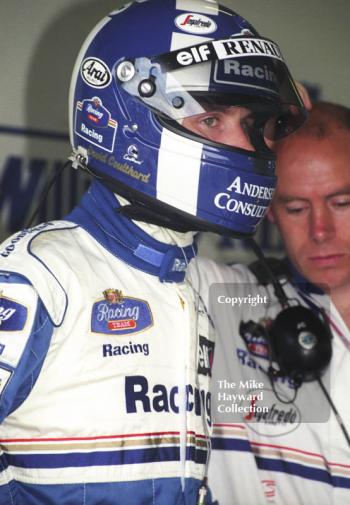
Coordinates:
(105, 347)
(281, 370)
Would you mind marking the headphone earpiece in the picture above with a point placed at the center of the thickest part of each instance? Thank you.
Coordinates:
(299, 339)
(300, 342)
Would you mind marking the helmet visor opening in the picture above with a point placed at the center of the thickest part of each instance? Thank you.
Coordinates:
(240, 73)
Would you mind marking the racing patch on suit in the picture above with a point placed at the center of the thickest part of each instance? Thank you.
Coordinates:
(117, 314)
(13, 315)
(17, 311)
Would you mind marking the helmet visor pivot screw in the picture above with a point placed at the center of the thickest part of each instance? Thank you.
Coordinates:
(125, 71)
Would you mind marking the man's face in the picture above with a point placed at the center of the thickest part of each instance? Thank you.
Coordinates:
(111, 298)
(225, 125)
(311, 207)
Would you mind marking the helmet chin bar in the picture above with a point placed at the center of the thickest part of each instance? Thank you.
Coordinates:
(164, 215)
(148, 210)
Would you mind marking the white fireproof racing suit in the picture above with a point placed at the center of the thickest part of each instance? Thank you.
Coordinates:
(268, 449)
(105, 354)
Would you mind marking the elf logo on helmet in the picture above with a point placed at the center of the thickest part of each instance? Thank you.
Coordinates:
(224, 49)
(195, 23)
(95, 73)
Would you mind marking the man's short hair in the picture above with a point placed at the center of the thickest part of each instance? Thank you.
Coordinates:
(325, 119)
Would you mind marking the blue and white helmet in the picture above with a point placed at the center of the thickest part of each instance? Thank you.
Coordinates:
(147, 67)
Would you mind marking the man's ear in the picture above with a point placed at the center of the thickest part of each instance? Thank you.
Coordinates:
(304, 95)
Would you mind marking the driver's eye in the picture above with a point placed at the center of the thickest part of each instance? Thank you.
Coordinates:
(210, 121)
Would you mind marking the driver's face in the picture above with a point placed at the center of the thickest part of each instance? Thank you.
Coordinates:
(225, 125)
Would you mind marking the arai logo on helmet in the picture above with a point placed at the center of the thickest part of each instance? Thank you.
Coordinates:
(95, 73)
(195, 23)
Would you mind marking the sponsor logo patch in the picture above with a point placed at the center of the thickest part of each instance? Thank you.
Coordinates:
(179, 265)
(195, 23)
(132, 154)
(252, 74)
(126, 349)
(117, 314)
(247, 206)
(269, 416)
(93, 122)
(206, 356)
(10, 247)
(143, 397)
(269, 487)
(254, 336)
(13, 315)
(95, 73)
